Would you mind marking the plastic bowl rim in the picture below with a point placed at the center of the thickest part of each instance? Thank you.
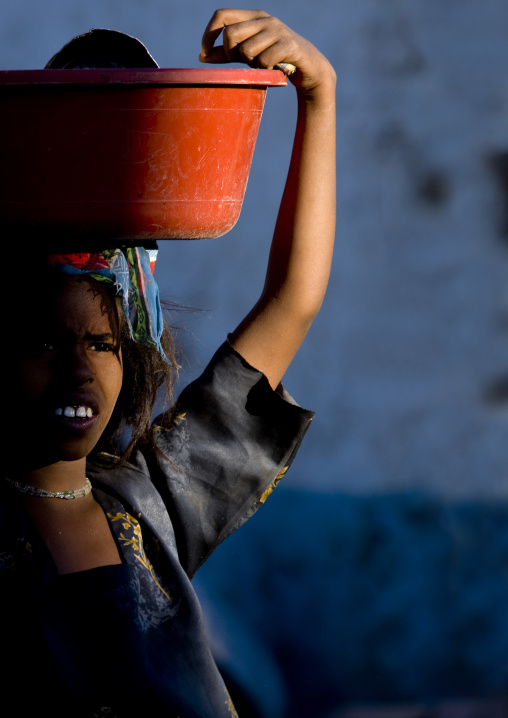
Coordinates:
(145, 76)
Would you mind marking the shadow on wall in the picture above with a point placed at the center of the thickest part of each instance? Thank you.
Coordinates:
(323, 601)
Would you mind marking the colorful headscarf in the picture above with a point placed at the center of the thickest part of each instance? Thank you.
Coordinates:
(130, 269)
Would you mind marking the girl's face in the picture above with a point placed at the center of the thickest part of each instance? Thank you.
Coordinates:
(67, 374)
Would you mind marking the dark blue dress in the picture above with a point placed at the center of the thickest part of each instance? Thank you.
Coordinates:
(232, 440)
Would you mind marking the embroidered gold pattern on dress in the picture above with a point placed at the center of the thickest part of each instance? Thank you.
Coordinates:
(135, 540)
(230, 706)
(272, 486)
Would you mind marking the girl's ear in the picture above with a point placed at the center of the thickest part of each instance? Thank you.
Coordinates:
(102, 48)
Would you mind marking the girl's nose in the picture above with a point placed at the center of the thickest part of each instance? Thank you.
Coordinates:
(78, 367)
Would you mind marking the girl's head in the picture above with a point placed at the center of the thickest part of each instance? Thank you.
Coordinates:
(73, 353)
(102, 48)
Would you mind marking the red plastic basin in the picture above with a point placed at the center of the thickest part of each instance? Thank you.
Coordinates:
(127, 154)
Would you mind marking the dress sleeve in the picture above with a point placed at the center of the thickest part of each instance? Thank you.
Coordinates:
(233, 438)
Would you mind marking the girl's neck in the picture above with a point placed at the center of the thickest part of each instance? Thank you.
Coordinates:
(61, 476)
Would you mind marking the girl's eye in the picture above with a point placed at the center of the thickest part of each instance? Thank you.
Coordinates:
(41, 347)
(102, 347)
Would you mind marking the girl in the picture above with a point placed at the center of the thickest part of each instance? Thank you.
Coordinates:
(97, 551)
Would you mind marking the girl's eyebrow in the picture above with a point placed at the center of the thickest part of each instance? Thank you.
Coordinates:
(108, 336)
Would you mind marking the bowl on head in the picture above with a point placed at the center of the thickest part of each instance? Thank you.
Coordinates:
(123, 153)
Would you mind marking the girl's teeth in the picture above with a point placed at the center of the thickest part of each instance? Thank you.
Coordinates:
(80, 412)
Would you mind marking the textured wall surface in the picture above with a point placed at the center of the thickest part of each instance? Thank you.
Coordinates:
(381, 599)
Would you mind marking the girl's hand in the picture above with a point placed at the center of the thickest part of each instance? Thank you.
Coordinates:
(262, 41)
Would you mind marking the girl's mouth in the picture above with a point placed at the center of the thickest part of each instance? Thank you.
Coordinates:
(75, 412)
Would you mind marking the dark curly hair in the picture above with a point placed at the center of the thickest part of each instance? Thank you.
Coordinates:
(147, 377)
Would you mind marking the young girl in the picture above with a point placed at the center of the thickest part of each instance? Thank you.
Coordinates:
(97, 552)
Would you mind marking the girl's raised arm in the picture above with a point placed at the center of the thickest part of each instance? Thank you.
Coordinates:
(301, 251)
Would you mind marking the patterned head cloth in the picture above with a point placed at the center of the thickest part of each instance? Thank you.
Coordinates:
(130, 270)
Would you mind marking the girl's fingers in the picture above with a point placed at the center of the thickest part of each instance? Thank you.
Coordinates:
(253, 42)
(220, 20)
(243, 41)
(262, 41)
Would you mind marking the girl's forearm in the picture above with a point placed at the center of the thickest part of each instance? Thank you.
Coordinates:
(302, 246)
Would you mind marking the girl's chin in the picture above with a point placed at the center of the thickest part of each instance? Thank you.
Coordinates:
(38, 453)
